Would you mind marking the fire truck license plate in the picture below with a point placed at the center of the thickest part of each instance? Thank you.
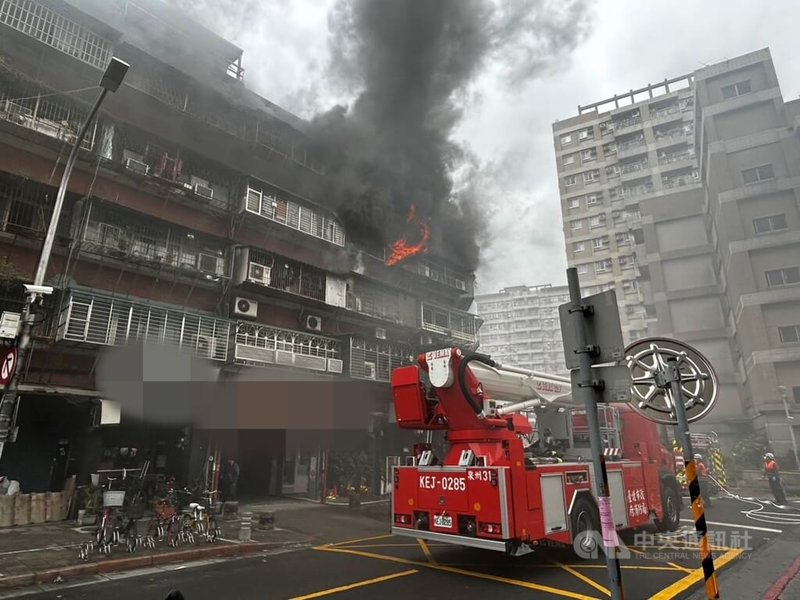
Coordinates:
(441, 521)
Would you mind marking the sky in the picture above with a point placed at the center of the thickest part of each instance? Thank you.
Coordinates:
(628, 44)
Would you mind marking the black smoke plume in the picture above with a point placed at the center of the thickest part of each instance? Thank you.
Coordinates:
(392, 148)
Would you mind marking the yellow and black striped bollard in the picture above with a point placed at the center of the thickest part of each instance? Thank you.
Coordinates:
(698, 511)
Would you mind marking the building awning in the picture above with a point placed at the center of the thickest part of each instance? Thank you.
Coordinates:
(54, 390)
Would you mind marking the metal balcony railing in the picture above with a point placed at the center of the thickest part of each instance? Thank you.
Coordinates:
(450, 323)
(111, 232)
(94, 318)
(265, 345)
(665, 114)
(374, 303)
(27, 108)
(628, 146)
(51, 28)
(376, 360)
(290, 276)
(634, 167)
(673, 182)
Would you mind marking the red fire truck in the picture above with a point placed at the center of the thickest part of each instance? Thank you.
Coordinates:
(504, 485)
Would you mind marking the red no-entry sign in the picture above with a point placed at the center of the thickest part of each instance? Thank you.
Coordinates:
(8, 366)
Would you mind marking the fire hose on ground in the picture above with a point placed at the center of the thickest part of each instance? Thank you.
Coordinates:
(788, 515)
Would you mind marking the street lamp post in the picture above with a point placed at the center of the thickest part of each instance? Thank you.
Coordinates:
(789, 418)
(35, 292)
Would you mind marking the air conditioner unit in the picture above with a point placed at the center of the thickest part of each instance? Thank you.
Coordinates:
(204, 191)
(257, 273)
(335, 365)
(209, 263)
(313, 323)
(137, 166)
(380, 333)
(245, 308)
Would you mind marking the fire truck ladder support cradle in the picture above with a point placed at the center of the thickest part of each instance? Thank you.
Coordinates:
(674, 381)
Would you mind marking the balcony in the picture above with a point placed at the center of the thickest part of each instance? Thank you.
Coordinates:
(369, 300)
(26, 208)
(32, 107)
(456, 325)
(126, 236)
(627, 124)
(671, 158)
(664, 115)
(680, 180)
(97, 319)
(269, 205)
(374, 359)
(259, 268)
(55, 30)
(154, 163)
(263, 345)
(670, 136)
(631, 147)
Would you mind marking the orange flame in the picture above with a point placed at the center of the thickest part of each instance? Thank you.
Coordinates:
(401, 249)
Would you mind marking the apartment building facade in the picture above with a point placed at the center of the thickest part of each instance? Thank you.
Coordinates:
(521, 327)
(703, 229)
(196, 220)
(749, 151)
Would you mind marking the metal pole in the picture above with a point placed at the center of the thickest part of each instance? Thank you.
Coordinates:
(8, 403)
(586, 389)
(789, 418)
(673, 380)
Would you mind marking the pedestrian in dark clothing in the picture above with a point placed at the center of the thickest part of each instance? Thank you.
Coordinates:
(230, 480)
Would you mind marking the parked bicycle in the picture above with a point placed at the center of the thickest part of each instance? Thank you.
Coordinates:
(199, 522)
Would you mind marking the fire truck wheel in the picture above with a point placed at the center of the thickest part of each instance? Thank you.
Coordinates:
(585, 529)
(671, 502)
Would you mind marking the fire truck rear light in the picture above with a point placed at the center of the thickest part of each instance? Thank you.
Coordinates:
(492, 528)
(402, 519)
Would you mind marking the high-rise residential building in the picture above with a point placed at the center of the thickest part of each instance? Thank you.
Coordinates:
(714, 226)
(521, 327)
(609, 157)
(196, 219)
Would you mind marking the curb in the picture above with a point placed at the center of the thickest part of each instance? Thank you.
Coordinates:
(49, 576)
(777, 588)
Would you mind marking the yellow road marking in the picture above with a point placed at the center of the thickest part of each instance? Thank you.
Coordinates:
(366, 539)
(358, 584)
(538, 566)
(426, 551)
(585, 579)
(680, 568)
(696, 576)
(392, 545)
(517, 582)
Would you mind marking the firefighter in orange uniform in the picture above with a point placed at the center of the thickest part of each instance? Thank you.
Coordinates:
(702, 479)
(773, 474)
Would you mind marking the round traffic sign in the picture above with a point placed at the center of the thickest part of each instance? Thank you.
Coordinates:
(647, 360)
(8, 366)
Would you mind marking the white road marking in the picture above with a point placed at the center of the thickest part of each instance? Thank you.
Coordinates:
(717, 523)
